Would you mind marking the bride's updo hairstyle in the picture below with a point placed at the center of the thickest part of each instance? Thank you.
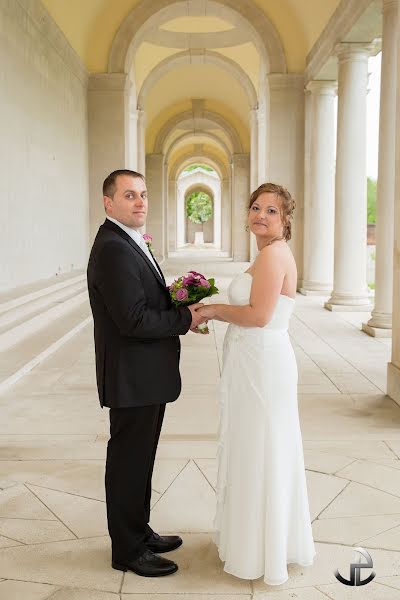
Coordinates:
(287, 204)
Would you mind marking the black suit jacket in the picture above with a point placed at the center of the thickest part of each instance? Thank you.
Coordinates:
(136, 327)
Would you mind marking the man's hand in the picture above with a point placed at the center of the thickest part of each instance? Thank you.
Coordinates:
(196, 318)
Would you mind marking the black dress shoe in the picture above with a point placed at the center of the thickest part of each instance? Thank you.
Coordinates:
(159, 544)
(148, 565)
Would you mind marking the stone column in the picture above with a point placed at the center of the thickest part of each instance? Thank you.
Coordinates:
(226, 212)
(262, 145)
(180, 216)
(108, 117)
(155, 186)
(380, 323)
(350, 290)
(172, 200)
(133, 141)
(253, 170)
(141, 141)
(217, 215)
(240, 197)
(393, 375)
(285, 160)
(165, 208)
(319, 206)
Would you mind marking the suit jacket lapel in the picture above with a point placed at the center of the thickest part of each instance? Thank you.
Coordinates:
(158, 267)
(110, 225)
(150, 264)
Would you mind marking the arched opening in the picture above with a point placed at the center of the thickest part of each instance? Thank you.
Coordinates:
(198, 209)
(199, 222)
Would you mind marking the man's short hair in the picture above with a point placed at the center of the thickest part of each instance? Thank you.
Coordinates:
(109, 184)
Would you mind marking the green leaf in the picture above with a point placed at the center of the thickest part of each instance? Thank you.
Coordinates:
(371, 200)
(199, 207)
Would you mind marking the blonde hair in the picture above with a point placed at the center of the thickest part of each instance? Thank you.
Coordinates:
(288, 204)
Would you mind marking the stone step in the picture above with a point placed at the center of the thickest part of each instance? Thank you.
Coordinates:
(37, 345)
(28, 309)
(33, 325)
(28, 293)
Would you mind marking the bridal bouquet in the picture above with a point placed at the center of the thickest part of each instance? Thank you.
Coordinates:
(190, 289)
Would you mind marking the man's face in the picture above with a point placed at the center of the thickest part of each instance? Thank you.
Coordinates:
(129, 205)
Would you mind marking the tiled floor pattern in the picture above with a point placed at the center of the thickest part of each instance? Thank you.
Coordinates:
(53, 434)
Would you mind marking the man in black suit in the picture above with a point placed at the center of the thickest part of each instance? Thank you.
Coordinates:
(136, 332)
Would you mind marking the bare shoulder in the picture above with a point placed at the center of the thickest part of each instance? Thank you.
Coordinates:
(276, 250)
(279, 256)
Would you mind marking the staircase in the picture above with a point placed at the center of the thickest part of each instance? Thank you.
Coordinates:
(37, 319)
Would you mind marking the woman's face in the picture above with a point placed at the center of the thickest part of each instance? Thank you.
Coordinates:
(265, 218)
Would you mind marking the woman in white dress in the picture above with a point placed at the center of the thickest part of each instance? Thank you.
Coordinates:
(263, 519)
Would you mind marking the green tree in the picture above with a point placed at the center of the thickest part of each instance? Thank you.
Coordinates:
(371, 200)
(193, 167)
(199, 207)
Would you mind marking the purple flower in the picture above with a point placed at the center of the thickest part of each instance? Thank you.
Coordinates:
(197, 274)
(189, 280)
(204, 282)
(181, 294)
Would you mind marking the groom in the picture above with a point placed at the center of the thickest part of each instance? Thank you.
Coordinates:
(136, 331)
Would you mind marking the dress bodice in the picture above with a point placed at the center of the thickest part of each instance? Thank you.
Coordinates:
(239, 294)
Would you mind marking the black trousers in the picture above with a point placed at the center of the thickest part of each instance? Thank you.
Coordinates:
(131, 453)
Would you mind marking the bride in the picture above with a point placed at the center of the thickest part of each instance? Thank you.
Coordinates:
(263, 519)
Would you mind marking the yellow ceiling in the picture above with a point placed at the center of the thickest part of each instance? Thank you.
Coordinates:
(188, 81)
(197, 25)
(90, 26)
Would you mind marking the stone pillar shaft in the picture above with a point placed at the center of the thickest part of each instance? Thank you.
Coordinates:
(350, 290)
(155, 186)
(285, 160)
(226, 214)
(393, 380)
(141, 141)
(319, 206)
(240, 197)
(253, 170)
(108, 116)
(380, 323)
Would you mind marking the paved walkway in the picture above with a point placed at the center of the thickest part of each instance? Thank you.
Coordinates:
(53, 536)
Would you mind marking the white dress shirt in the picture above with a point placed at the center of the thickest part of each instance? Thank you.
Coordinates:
(137, 237)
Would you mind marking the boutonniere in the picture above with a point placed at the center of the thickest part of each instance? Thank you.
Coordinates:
(148, 239)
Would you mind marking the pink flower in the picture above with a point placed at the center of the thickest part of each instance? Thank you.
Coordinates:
(181, 294)
(147, 237)
(204, 283)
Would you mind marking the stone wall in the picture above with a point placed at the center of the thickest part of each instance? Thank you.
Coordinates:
(43, 148)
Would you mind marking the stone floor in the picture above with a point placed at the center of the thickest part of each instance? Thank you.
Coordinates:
(53, 536)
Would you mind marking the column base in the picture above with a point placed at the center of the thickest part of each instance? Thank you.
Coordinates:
(348, 307)
(380, 332)
(307, 292)
(316, 288)
(393, 382)
(349, 303)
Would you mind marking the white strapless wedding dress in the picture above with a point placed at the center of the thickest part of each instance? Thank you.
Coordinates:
(263, 520)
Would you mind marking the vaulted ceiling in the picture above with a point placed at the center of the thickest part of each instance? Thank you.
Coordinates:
(195, 53)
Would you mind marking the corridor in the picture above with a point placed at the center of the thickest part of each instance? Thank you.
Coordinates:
(53, 435)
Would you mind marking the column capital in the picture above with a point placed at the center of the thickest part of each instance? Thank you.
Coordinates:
(278, 81)
(322, 87)
(346, 51)
(390, 5)
(109, 82)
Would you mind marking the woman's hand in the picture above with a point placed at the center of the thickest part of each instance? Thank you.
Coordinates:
(208, 312)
